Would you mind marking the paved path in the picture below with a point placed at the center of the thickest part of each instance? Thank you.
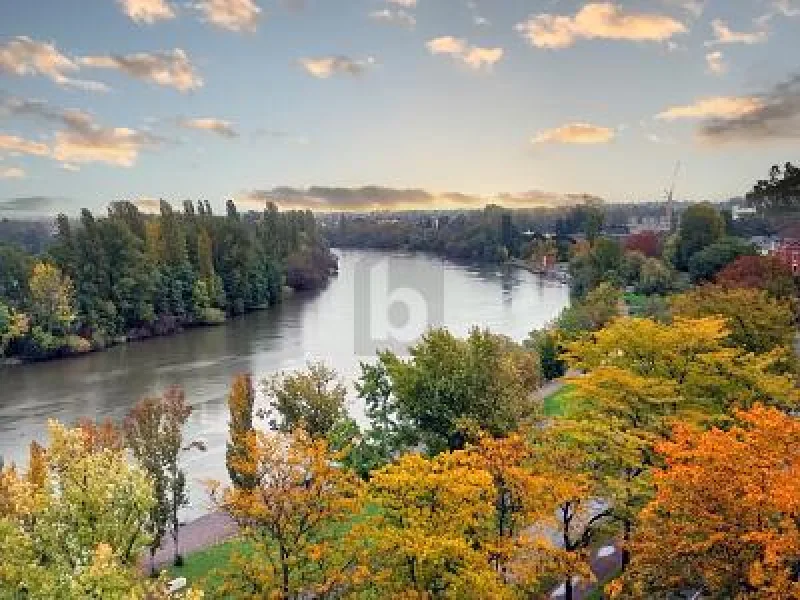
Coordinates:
(202, 533)
(605, 562)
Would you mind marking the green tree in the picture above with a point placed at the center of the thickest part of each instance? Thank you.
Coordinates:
(313, 400)
(701, 226)
(154, 433)
(705, 264)
(452, 387)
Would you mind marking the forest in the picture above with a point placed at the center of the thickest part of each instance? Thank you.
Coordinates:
(672, 438)
(130, 275)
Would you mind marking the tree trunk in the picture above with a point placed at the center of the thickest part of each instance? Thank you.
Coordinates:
(568, 587)
(626, 553)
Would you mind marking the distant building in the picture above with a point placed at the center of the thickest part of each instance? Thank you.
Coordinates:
(657, 224)
(788, 252)
(741, 212)
(767, 244)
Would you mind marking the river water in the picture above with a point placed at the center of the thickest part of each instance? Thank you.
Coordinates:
(378, 300)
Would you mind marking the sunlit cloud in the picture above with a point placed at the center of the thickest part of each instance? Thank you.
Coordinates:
(324, 67)
(23, 56)
(725, 35)
(218, 126)
(474, 57)
(717, 107)
(147, 11)
(396, 16)
(378, 198)
(598, 20)
(233, 15)
(575, 133)
(170, 69)
(774, 117)
(716, 63)
(70, 167)
(15, 144)
(12, 173)
(79, 139)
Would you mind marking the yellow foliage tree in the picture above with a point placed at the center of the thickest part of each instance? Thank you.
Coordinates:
(293, 520)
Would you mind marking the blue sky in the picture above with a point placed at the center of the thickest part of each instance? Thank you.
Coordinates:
(142, 99)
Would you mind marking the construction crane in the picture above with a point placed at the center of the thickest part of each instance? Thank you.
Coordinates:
(670, 193)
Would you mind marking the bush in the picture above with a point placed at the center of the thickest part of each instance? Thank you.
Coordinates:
(211, 316)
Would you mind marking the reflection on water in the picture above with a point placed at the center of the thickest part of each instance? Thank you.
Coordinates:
(324, 325)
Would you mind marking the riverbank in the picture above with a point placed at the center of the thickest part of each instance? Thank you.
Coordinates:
(559, 275)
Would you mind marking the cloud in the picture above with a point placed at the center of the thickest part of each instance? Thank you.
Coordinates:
(575, 133)
(171, 69)
(474, 57)
(377, 198)
(396, 16)
(23, 56)
(774, 116)
(716, 63)
(147, 11)
(12, 173)
(724, 35)
(325, 66)
(787, 8)
(280, 135)
(598, 20)
(218, 126)
(233, 15)
(477, 19)
(79, 139)
(404, 3)
(31, 204)
(70, 167)
(718, 107)
(16, 144)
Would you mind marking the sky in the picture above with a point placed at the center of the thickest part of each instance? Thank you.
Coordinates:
(371, 104)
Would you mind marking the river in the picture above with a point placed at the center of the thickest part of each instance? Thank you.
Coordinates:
(378, 300)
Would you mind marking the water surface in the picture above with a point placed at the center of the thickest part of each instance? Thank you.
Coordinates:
(363, 307)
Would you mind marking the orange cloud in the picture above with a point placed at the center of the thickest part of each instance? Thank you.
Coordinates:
(325, 66)
(13, 143)
(717, 107)
(233, 15)
(725, 35)
(11, 173)
(171, 69)
(147, 11)
(575, 133)
(599, 20)
(474, 57)
(218, 126)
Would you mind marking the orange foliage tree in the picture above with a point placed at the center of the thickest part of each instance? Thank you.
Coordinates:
(725, 517)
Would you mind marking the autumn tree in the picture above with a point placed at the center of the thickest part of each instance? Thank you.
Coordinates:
(241, 433)
(431, 535)
(293, 521)
(52, 298)
(763, 272)
(646, 242)
(724, 517)
(314, 400)
(757, 321)
(13, 325)
(74, 526)
(452, 386)
(154, 433)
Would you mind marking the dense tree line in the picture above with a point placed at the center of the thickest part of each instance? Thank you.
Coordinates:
(130, 275)
(779, 193)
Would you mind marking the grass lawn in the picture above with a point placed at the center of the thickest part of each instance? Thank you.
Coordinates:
(198, 565)
(557, 403)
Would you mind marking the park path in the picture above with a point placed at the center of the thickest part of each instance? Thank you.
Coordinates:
(199, 534)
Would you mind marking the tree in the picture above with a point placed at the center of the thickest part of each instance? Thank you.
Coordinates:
(241, 433)
(13, 326)
(596, 310)
(154, 433)
(313, 400)
(429, 538)
(548, 345)
(295, 520)
(654, 277)
(724, 517)
(701, 226)
(52, 298)
(706, 263)
(451, 387)
(757, 322)
(646, 242)
(76, 523)
(763, 272)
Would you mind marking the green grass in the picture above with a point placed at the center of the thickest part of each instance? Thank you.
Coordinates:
(198, 565)
(557, 403)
